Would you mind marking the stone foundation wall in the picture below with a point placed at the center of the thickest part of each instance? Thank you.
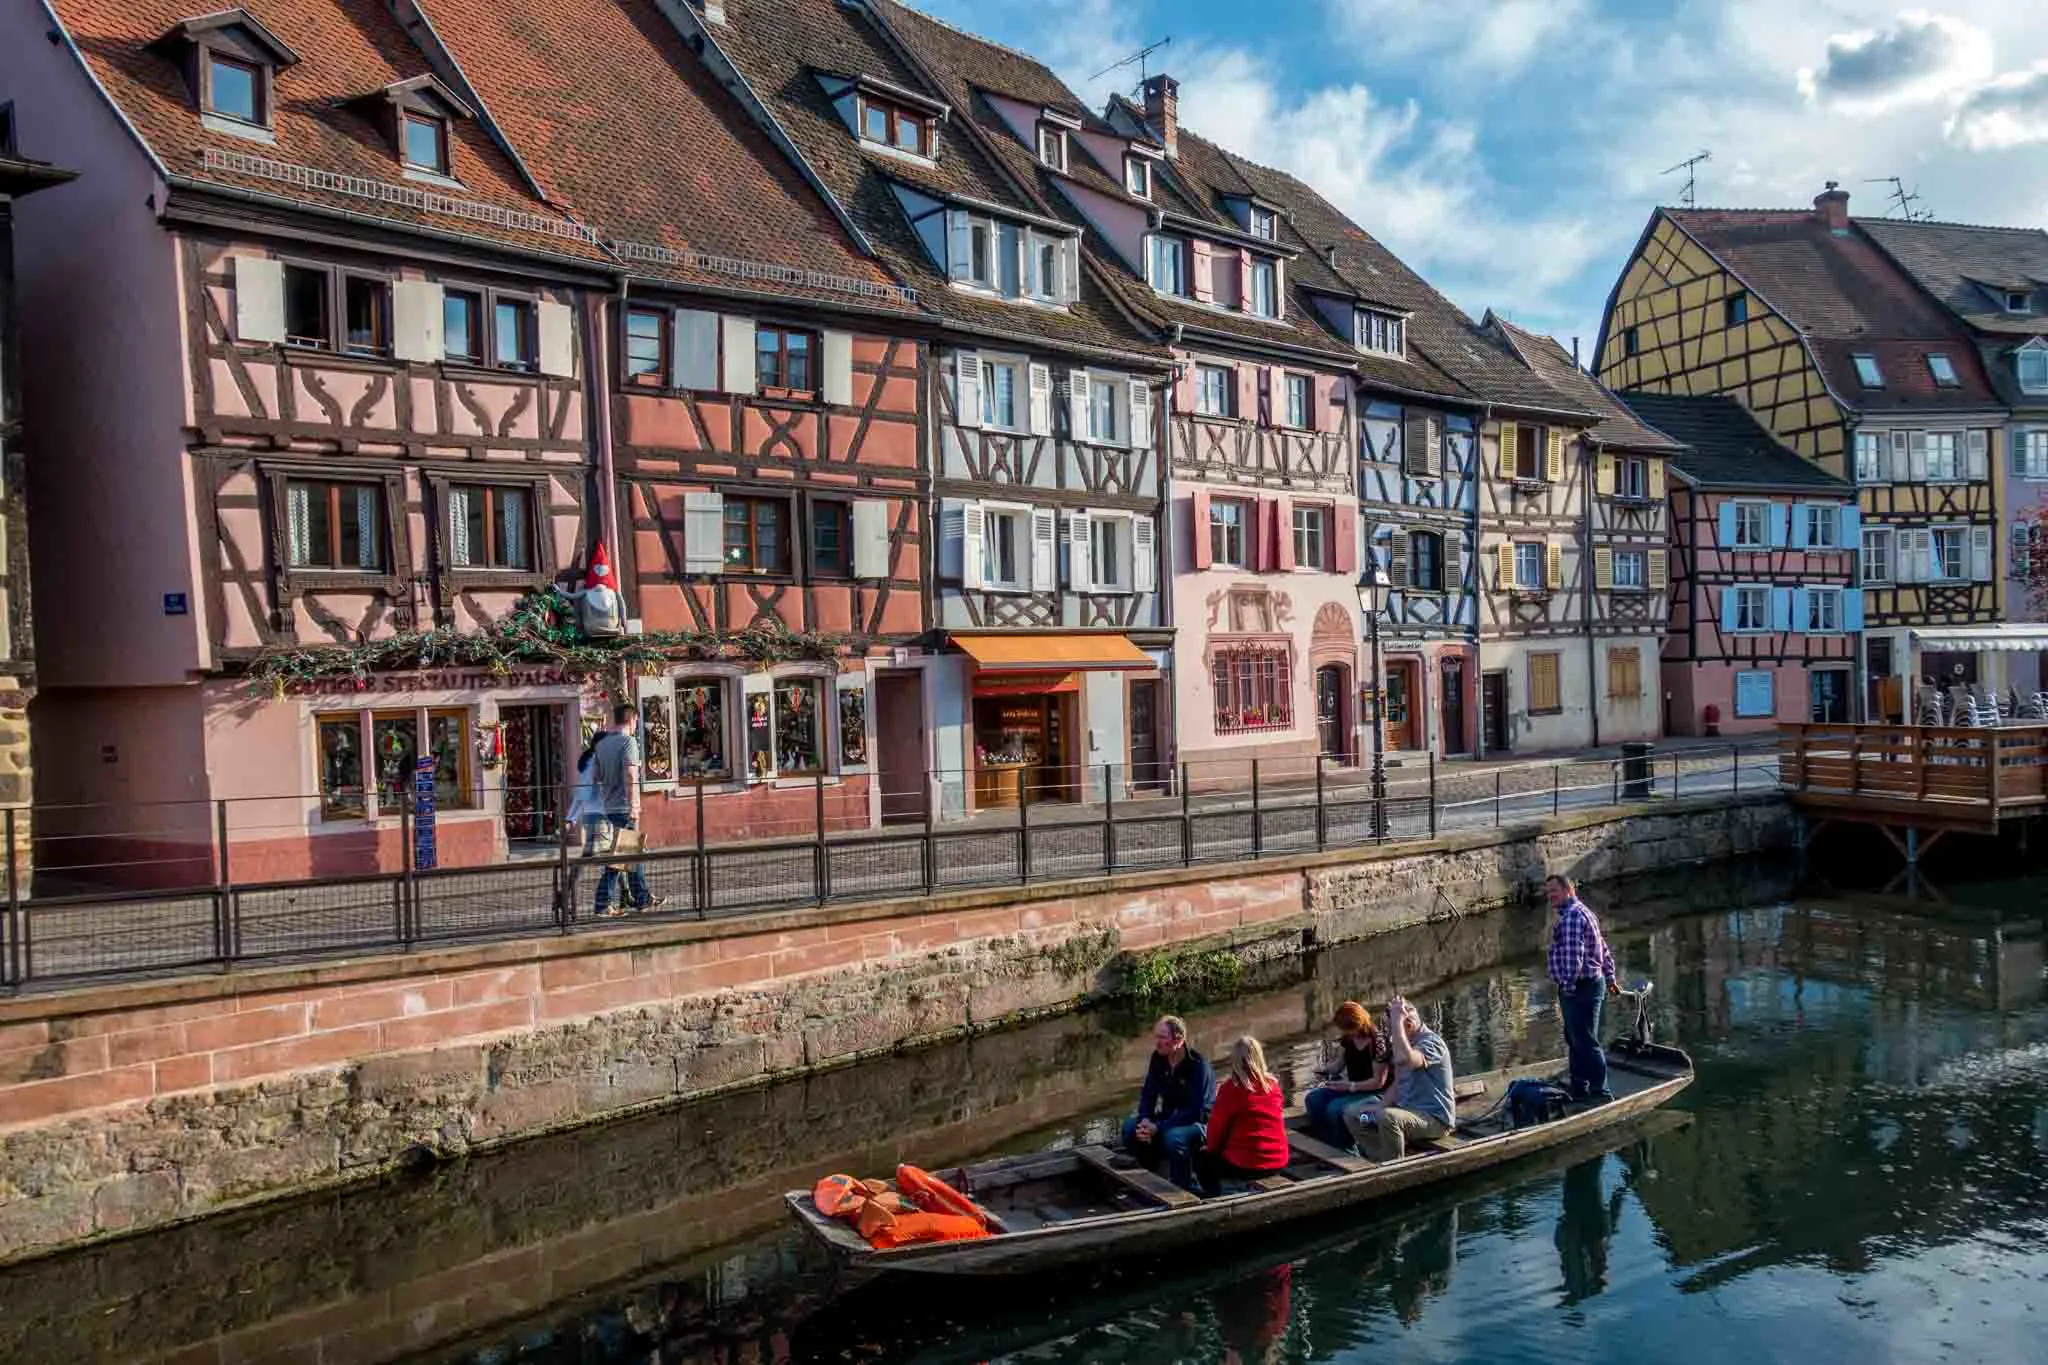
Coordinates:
(132, 1106)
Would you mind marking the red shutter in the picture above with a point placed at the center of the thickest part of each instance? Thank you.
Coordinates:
(1269, 384)
(1247, 390)
(1203, 281)
(1198, 527)
(1184, 386)
(1347, 538)
(1259, 533)
(1283, 533)
(1244, 281)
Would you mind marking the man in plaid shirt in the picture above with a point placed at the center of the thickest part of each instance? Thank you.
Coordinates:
(1583, 969)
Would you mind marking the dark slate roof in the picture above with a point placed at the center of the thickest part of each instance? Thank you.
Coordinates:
(1961, 266)
(1723, 446)
(1848, 298)
(1554, 365)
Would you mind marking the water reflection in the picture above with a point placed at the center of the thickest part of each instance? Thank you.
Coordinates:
(1861, 1173)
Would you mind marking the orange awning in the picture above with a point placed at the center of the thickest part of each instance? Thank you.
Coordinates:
(1051, 653)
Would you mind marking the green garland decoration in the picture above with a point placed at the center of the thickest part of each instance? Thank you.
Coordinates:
(541, 630)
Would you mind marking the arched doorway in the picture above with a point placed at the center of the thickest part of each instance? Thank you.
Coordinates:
(1333, 707)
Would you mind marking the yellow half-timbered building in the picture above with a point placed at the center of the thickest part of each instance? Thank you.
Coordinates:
(1832, 347)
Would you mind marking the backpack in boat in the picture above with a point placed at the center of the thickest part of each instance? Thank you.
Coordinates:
(1531, 1102)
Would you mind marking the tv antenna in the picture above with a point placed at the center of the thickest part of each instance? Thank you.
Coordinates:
(1903, 199)
(1689, 195)
(1139, 57)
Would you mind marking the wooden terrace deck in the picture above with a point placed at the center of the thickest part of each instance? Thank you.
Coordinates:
(1916, 779)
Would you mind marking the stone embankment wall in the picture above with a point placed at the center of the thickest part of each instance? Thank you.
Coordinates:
(132, 1106)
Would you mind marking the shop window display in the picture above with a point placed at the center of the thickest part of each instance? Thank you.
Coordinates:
(799, 728)
(700, 730)
(853, 726)
(657, 738)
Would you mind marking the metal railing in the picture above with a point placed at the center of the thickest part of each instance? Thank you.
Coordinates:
(1080, 823)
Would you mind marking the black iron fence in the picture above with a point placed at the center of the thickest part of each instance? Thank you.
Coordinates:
(1188, 818)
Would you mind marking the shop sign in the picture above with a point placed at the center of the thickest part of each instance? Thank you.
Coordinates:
(442, 680)
(424, 851)
(1024, 684)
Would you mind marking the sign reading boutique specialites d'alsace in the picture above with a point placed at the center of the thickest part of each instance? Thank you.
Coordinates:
(440, 680)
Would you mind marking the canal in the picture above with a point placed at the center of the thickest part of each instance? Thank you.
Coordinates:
(1861, 1170)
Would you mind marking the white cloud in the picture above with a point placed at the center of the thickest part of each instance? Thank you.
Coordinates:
(1918, 58)
(1494, 35)
(2011, 111)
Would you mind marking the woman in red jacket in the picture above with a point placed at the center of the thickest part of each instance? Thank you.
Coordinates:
(1246, 1136)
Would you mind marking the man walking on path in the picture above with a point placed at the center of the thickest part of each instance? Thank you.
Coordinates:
(616, 766)
(1583, 969)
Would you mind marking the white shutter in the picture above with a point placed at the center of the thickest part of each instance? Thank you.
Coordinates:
(1454, 562)
(1070, 270)
(1144, 556)
(1041, 399)
(703, 532)
(1916, 456)
(259, 299)
(967, 388)
(417, 321)
(557, 338)
(1902, 462)
(1978, 448)
(694, 365)
(459, 548)
(737, 373)
(1080, 568)
(1077, 404)
(1044, 549)
(959, 249)
(870, 538)
(973, 534)
(1916, 556)
(1141, 412)
(1980, 553)
(838, 347)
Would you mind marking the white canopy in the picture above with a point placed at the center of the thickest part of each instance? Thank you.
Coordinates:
(2006, 637)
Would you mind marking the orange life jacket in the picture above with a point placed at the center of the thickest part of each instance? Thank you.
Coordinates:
(934, 1195)
(906, 1228)
(926, 1210)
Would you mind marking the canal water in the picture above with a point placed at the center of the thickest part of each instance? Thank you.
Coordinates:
(1860, 1172)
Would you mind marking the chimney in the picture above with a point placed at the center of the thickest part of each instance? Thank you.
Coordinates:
(1162, 110)
(1831, 206)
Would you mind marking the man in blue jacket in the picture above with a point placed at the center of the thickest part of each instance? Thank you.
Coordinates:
(1174, 1105)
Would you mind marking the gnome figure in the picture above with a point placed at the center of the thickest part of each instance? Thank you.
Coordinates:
(599, 608)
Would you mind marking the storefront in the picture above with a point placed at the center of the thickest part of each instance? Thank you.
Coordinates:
(2002, 659)
(1048, 715)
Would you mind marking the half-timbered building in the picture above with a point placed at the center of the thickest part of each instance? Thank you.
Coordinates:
(1043, 563)
(1624, 570)
(1764, 605)
(1820, 334)
(336, 338)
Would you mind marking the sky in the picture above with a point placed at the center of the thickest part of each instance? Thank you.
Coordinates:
(1512, 150)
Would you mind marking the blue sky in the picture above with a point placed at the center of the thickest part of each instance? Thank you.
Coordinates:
(1511, 150)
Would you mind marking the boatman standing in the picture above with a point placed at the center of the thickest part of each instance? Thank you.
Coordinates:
(1583, 969)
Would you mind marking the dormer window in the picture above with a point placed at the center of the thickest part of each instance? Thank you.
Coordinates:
(1166, 266)
(1052, 146)
(2030, 367)
(1381, 333)
(2018, 301)
(425, 142)
(1943, 369)
(1265, 297)
(1010, 259)
(1138, 176)
(895, 126)
(1265, 223)
(417, 115)
(1867, 373)
(230, 61)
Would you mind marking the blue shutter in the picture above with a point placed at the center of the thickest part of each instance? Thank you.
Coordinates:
(1852, 527)
(1774, 525)
(1727, 525)
(1796, 618)
(1799, 536)
(1781, 608)
(1852, 609)
(1727, 606)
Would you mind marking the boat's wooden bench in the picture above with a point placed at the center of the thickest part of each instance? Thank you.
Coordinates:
(1315, 1149)
(1267, 1184)
(1136, 1179)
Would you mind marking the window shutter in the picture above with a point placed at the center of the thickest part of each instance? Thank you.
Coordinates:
(1203, 281)
(1244, 280)
(557, 327)
(1603, 474)
(1144, 555)
(1775, 518)
(1905, 545)
(967, 388)
(1269, 386)
(973, 537)
(1044, 550)
(1399, 559)
(1603, 567)
(1852, 609)
(259, 299)
(1041, 400)
(1656, 569)
(1981, 565)
(1079, 393)
(1728, 617)
(1916, 456)
(1080, 569)
(1852, 527)
(1656, 479)
(1553, 566)
(1504, 565)
(417, 320)
(1280, 546)
(1454, 562)
(959, 247)
(1800, 537)
(1258, 536)
(838, 377)
(1415, 443)
(870, 538)
(1433, 446)
(703, 532)
(1507, 450)
(738, 374)
(1798, 614)
(1555, 472)
(1977, 442)
(1347, 539)
(1781, 608)
(1726, 538)
(1070, 270)
(1902, 456)
(1198, 526)
(1140, 400)
(1246, 403)
(694, 362)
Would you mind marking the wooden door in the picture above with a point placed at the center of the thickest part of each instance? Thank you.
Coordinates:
(1493, 703)
(1331, 731)
(899, 746)
(1146, 773)
(1454, 705)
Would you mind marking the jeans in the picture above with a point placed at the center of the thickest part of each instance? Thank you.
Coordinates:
(1581, 1004)
(1177, 1145)
(1212, 1169)
(1387, 1137)
(1327, 1111)
(598, 837)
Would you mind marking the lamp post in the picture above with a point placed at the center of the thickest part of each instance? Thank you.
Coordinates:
(1369, 592)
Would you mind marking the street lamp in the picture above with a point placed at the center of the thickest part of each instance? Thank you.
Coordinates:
(1370, 591)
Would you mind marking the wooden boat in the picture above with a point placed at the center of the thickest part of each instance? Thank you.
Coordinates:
(1061, 1208)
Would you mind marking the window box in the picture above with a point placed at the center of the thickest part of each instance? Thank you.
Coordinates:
(1254, 690)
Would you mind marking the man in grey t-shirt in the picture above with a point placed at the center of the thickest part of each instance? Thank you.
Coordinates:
(615, 772)
(1424, 1107)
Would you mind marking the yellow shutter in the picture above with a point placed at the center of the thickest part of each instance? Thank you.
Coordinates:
(1603, 568)
(1504, 566)
(1657, 479)
(1507, 450)
(1553, 566)
(1655, 571)
(1603, 474)
(1556, 473)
